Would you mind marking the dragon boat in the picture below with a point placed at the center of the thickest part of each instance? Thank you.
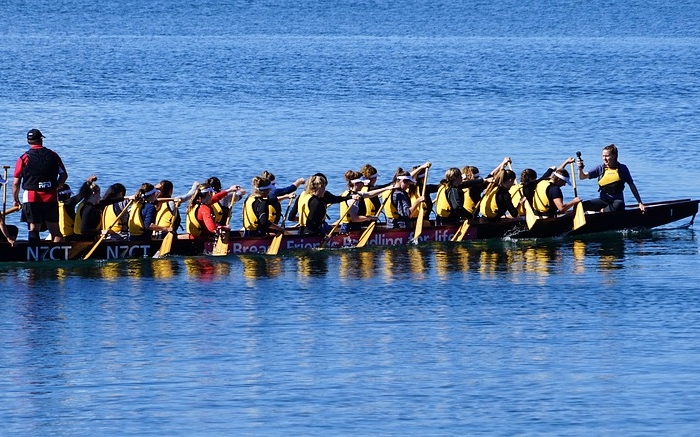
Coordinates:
(656, 214)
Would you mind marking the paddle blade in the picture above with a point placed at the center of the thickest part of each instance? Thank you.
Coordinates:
(419, 225)
(364, 238)
(461, 232)
(579, 216)
(165, 246)
(530, 216)
(221, 245)
(275, 244)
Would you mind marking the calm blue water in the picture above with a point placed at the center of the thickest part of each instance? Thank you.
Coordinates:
(593, 336)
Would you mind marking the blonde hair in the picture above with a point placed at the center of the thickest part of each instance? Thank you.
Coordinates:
(452, 174)
(368, 171)
(469, 171)
(315, 182)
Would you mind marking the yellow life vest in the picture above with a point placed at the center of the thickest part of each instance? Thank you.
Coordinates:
(412, 198)
(469, 203)
(250, 220)
(515, 195)
(610, 181)
(540, 202)
(136, 225)
(78, 218)
(218, 211)
(488, 206)
(193, 226)
(164, 215)
(442, 205)
(390, 209)
(303, 207)
(344, 215)
(65, 222)
(371, 206)
(109, 217)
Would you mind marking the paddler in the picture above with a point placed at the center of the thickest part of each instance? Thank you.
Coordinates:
(548, 200)
(612, 177)
(259, 212)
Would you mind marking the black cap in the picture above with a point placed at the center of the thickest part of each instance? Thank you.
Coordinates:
(34, 136)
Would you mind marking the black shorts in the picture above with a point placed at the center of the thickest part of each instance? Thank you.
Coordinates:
(38, 212)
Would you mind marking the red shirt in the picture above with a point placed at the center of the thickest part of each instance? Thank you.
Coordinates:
(206, 218)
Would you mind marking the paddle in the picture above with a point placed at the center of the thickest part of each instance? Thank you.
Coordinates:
(277, 239)
(580, 213)
(5, 211)
(4, 191)
(421, 210)
(328, 236)
(364, 238)
(104, 235)
(11, 210)
(221, 245)
(530, 216)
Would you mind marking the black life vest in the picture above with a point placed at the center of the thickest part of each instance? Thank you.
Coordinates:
(40, 170)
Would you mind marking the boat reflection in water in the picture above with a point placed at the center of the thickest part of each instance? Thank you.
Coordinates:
(206, 269)
(311, 265)
(257, 266)
(524, 260)
(354, 264)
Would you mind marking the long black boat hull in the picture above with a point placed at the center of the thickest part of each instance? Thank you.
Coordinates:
(657, 214)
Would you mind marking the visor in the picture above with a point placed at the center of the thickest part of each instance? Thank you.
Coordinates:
(148, 193)
(562, 177)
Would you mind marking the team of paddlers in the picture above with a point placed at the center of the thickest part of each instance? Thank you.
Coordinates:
(153, 211)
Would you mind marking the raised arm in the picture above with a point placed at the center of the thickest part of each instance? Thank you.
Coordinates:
(500, 166)
(564, 164)
(416, 171)
(376, 192)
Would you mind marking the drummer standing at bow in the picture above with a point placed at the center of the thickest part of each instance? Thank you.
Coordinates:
(39, 171)
(612, 176)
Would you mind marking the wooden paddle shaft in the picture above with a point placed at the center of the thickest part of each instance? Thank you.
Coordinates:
(368, 232)
(4, 191)
(11, 210)
(103, 236)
